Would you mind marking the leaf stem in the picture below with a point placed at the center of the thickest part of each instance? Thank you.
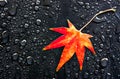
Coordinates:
(101, 12)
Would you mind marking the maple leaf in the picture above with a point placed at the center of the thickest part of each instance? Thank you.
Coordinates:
(74, 42)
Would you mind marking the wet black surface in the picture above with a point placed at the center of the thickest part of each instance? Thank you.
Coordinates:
(24, 31)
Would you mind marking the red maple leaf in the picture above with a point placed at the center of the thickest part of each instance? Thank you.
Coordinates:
(74, 42)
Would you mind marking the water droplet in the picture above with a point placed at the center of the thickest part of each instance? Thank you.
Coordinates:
(76, 75)
(99, 20)
(103, 38)
(15, 56)
(104, 62)
(16, 41)
(4, 24)
(2, 15)
(8, 49)
(25, 16)
(36, 8)
(5, 36)
(37, 31)
(7, 66)
(87, 58)
(38, 2)
(38, 21)
(13, 9)
(68, 75)
(86, 75)
(26, 25)
(20, 59)
(97, 66)
(83, 16)
(3, 2)
(100, 50)
(23, 42)
(96, 72)
(44, 57)
(29, 60)
(101, 45)
(87, 3)
(9, 18)
(108, 76)
(110, 36)
(80, 3)
(88, 7)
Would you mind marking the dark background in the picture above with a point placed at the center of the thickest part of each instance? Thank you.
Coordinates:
(24, 31)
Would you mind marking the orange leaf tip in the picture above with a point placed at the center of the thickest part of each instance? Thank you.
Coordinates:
(69, 23)
(94, 53)
(50, 28)
(68, 20)
(80, 67)
(57, 70)
(44, 49)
